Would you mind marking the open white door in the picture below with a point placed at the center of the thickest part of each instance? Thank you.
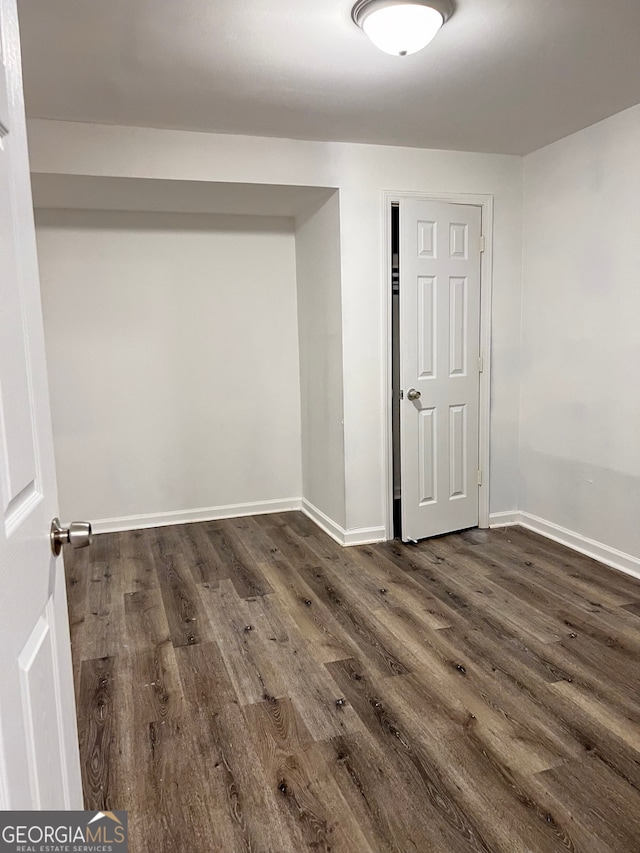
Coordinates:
(39, 760)
(439, 366)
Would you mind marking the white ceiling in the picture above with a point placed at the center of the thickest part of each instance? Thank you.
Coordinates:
(89, 192)
(502, 75)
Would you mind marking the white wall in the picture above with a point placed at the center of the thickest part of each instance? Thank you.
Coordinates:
(173, 357)
(580, 409)
(320, 333)
(361, 173)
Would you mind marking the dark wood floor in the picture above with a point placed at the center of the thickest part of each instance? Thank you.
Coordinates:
(248, 685)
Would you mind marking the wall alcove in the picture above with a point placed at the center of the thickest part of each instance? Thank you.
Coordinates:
(194, 346)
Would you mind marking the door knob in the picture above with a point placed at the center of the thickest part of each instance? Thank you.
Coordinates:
(412, 394)
(78, 534)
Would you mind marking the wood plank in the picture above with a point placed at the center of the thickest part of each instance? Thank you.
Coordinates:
(394, 588)
(447, 574)
(606, 822)
(294, 767)
(451, 825)
(463, 689)
(77, 570)
(573, 611)
(384, 798)
(327, 639)
(237, 563)
(596, 665)
(542, 702)
(499, 814)
(205, 678)
(298, 551)
(245, 650)
(154, 683)
(633, 608)
(101, 631)
(626, 727)
(571, 602)
(76, 567)
(137, 561)
(371, 637)
(179, 792)
(200, 784)
(250, 792)
(253, 533)
(146, 624)
(510, 564)
(565, 562)
(98, 734)
(204, 562)
(188, 624)
(309, 684)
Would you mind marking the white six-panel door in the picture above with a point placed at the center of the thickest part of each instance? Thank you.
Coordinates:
(439, 367)
(39, 764)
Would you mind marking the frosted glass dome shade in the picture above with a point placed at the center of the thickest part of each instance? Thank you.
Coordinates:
(402, 29)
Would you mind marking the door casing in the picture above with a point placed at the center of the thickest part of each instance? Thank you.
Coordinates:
(485, 202)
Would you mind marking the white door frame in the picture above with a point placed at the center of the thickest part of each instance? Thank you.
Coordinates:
(485, 202)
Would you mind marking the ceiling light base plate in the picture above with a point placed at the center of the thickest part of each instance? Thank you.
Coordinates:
(363, 8)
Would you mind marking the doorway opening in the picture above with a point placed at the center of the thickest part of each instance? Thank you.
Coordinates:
(438, 304)
(395, 368)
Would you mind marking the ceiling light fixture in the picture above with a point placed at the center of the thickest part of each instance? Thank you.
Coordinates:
(401, 27)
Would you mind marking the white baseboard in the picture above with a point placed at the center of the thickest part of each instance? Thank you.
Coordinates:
(354, 536)
(626, 563)
(365, 535)
(504, 519)
(323, 521)
(187, 516)
(360, 536)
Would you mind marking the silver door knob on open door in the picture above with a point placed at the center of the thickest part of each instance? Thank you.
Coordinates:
(78, 534)
(412, 394)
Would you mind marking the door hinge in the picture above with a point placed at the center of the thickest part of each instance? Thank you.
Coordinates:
(483, 243)
(479, 478)
(480, 364)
